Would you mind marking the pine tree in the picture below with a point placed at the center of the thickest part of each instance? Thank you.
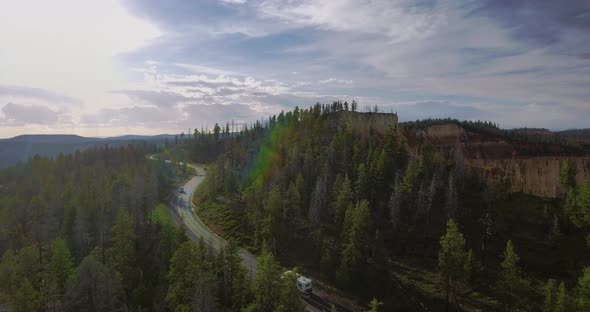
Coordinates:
(94, 287)
(451, 198)
(561, 300)
(567, 176)
(300, 186)
(266, 284)
(8, 273)
(469, 266)
(577, 207)
(362, 183)
(344, 196)
(272, 224)
(293, 203)
(511, 285)
(451, 258)
(374, 305)
(233, 277)
(61, 267)
(582, 291)
(319, 199)
(191, 278)
(357, 238)
(122, 253)
(410, 177)
(26, 298)
(289, 300)
(548, 302)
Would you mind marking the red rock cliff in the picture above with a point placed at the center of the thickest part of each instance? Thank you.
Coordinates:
(495, 159)
(537, 176)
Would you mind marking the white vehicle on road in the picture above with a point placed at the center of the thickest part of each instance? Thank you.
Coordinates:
(304, 284)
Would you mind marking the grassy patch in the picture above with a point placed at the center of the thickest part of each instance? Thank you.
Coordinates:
(219, 213)
(161, 215)
(220, 219)
(426, 283)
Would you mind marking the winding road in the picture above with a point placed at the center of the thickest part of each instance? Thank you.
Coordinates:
(184, 207)
(184, 211)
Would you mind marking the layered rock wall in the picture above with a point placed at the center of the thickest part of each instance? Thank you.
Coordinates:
(537, 176)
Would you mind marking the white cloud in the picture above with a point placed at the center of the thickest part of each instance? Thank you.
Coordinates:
(19, 92)
(398, 20)
(67, 46)
(234, 1)
(20, 115)
(202, 69)
(335, 81)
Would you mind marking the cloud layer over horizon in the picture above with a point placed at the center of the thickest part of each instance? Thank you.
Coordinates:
(148, 66)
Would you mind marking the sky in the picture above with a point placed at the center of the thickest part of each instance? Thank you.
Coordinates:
(109, 67)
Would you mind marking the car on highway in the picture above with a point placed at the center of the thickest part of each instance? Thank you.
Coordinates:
(181, 190)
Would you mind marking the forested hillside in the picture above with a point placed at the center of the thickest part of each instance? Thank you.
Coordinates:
(90, 232)
(347, 197)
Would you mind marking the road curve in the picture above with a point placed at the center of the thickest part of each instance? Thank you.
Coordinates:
(186, 210)
(181, 205)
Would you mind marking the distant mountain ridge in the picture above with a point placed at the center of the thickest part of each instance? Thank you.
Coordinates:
(51, 138)
(23, 147)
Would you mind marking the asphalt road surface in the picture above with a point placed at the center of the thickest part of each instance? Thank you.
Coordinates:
(183, 206)
(183, 209)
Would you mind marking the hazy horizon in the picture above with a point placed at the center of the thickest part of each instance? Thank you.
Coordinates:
(112, 67)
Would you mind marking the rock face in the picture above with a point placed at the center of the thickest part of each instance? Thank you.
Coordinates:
(537, 176)
(472, 144)
(495, 160)
(364, 121)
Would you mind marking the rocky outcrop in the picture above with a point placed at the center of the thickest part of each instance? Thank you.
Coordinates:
(472, 144)
(364, 121)
(496, 160)
(537, 176)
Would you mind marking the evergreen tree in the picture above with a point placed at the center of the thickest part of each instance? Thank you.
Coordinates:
(577, 207)
(410, 177)
(267, 283)
(26, 298)
(362, 183)
(122, 253)
(61, 267)
(561, 302)
(511, 285)
(272, 226)
(293, 203)
(233, 277)
(567, 176)
(451, 258)
(344, 196)
(289, 300)
(582, 291)
(191, 279)
(548, 302)
(374, 305)
(469, 266)
(356, 241)
(8, 274)
(95, 288)
(319, 199)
